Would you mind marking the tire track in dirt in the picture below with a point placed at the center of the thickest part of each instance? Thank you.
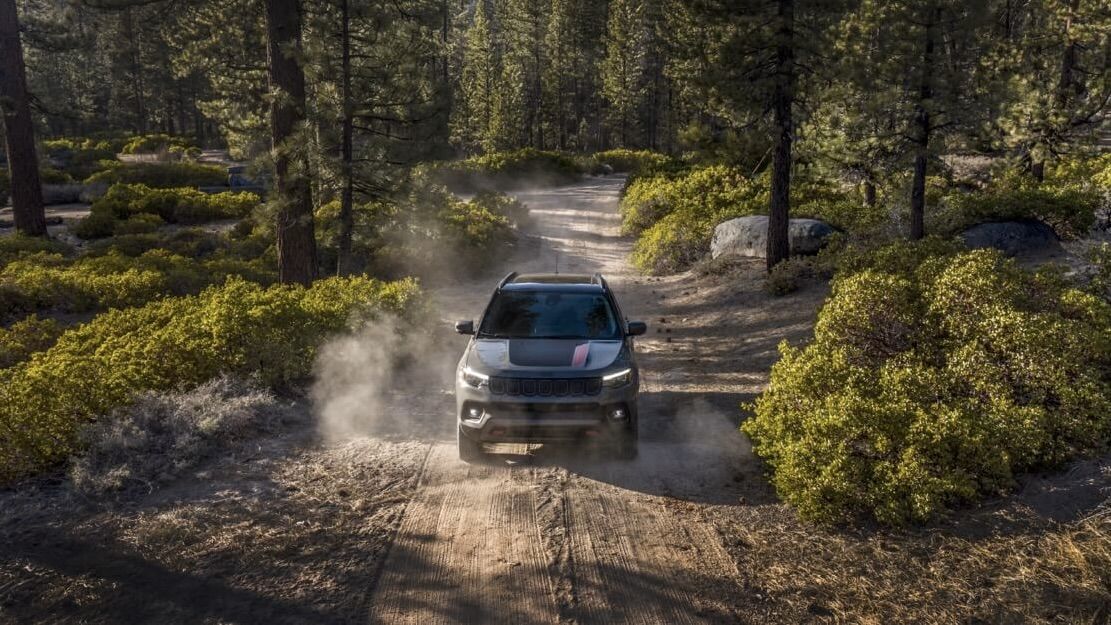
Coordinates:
(564, 535)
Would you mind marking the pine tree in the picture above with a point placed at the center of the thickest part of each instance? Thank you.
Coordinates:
(295, 229)
(623, 68)
(23, 163)
(472, 121)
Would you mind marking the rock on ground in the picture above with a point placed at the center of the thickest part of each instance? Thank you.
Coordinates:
(748, 236)
(1011, 237)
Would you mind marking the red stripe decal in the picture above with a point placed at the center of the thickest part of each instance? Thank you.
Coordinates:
(581, 352)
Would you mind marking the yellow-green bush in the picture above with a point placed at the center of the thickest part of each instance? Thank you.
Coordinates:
(1069, 209)
(161, 175)
(674, 213)
(506, 170)
(153, 143)
(26, 337)
(79, 157)
(632, 161)
(17, 246)
(43, 282)
(237, 328)
(179, 205)
(933, 385)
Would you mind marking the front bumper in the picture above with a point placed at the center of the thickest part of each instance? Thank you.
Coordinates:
(534, 419)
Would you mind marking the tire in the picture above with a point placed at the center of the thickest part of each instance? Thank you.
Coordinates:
(470, 451)
(628, 446)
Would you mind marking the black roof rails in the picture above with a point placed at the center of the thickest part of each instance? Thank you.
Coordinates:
(506, 280)
(598, 279)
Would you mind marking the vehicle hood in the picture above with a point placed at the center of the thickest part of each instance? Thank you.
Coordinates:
(547, 354)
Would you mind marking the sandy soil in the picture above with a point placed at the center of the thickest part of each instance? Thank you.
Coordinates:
(392, 528)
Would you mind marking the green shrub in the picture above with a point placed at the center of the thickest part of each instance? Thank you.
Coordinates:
(931, 386)
(162, 175)
(675, 216)
(181, 205)
(1069, 209)
(141, 223)
(17, 246)
(506, 170)
(79, 157)
(96, 225)
(25, 337)
(632, 161)
(1099, 279)
(190, 243)
(497, 203)
(50, 175)
(1081, 170)
(785, 278)
(238, 328)
(49, 282)
(154, 143)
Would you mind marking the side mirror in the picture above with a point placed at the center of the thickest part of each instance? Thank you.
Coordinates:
(464, 327)
(636, 328)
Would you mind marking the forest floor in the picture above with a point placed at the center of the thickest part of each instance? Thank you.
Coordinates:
(388, 526)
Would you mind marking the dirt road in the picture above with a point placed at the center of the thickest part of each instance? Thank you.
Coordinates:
(390, 527)
(566, 535)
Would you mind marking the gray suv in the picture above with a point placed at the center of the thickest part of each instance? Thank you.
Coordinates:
(550, 361)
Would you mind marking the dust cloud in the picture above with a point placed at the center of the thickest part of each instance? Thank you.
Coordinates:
(386, 379)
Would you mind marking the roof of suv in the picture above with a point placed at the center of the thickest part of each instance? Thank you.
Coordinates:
(566, 282)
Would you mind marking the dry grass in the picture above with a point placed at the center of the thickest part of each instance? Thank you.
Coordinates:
(1008, 566)
(162, 435)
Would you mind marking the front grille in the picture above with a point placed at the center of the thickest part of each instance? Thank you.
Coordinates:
(545, 387)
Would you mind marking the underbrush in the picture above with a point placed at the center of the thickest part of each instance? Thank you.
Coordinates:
(673, 213)
(19, 246)
(426, 231)
(1069, 209)
(79, 157)
(46, 282)
(506, 170)
(25, 337)
(161, 175)
(155, 143)
(137, 208)
(632, 161)
(934, 378)
(1009, 566)
(161, 435)
(238, 328)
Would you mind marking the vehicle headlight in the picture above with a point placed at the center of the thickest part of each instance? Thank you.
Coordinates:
(617, 378)
(473, 378)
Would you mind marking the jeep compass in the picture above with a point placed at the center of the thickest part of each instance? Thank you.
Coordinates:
(551, 360)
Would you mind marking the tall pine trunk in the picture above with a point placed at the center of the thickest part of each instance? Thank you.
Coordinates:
(296, 242)
(347, 196)
(922, 130)
(23, 162)
(783, 98)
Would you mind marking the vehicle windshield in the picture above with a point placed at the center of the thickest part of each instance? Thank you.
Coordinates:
(550, 315)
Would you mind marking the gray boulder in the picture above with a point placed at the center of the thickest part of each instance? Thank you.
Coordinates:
(748, 236)
(1011, 237)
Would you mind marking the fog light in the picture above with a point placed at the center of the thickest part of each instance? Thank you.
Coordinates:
(474, 414)
(618, 414)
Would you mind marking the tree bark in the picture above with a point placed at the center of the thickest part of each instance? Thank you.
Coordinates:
(347, 195)
(23, 162)
(296, 241)
(922, 131)
(783, 98)
(869, 192)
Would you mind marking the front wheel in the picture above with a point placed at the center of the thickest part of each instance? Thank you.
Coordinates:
(627, 445)
(470, 450)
